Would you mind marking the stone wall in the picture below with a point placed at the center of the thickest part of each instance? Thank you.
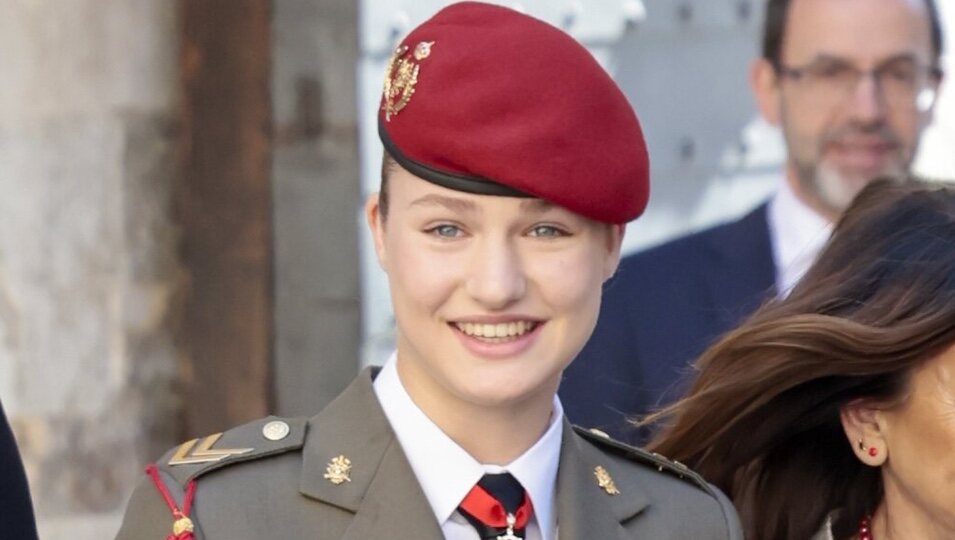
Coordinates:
(90, 276)
(87, 249)
(316, 194)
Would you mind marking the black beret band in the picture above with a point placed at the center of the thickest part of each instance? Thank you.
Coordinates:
(457, 182)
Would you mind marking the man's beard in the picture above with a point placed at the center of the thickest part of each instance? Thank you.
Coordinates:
(833, 189)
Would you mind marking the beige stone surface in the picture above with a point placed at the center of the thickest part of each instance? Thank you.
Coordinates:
(88, 271)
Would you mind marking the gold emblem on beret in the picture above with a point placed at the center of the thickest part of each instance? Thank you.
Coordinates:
(204, 453)
(423, 50)
(338, 469)
(605, 481)
(401, 76)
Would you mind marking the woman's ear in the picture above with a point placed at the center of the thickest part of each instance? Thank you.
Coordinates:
(863, 423)
(376, 225)
(614, 244)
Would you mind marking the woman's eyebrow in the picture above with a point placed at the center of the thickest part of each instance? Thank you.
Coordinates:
(536, 205)
(451, 203)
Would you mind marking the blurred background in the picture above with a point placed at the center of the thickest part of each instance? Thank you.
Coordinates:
(180, 191)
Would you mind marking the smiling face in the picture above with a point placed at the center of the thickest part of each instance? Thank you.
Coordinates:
(493, 296)
(839, 141)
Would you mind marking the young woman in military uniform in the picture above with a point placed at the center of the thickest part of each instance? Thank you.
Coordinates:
(512, 163)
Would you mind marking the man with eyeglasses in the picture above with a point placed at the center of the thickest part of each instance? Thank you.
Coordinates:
(852, 84)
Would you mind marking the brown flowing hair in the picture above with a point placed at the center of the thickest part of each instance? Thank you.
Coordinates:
(762, 421)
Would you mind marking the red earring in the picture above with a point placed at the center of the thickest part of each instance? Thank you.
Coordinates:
(873, 451)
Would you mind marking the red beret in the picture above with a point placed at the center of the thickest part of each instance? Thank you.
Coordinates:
(484, 99)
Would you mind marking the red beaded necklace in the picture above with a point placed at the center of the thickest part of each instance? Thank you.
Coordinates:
(865, 528)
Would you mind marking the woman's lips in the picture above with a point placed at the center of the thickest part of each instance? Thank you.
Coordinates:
(498, 339)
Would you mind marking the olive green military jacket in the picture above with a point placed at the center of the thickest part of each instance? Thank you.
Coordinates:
(343, 475)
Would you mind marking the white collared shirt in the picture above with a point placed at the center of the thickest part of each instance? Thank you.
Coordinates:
(797, 234)
(446, 472)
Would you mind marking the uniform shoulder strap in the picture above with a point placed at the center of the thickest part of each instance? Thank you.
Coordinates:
(639, 455)
(256, 440)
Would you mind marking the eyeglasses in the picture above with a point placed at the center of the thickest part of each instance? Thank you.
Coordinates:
(903, 82)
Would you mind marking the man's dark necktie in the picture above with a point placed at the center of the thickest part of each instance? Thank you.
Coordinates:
(497, 507)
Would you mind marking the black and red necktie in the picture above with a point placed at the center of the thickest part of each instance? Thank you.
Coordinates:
(498, 508)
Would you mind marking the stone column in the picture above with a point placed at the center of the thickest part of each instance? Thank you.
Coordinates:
(316, 193)
(88, 272)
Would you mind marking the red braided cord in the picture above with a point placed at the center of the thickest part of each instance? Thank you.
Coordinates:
(153, 473)
(190, 494)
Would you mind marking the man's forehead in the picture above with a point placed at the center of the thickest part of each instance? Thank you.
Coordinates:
(862, 31)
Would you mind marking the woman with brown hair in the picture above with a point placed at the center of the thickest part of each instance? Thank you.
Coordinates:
(832, 412)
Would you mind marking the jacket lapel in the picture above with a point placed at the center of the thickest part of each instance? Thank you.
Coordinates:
(585, 510)
(381, 488)
(394, 505)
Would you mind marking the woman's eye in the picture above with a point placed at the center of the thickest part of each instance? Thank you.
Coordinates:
(446, 231)
(546, 231)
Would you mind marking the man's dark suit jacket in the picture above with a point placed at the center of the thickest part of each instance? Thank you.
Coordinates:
(16, 510)
(660, 311)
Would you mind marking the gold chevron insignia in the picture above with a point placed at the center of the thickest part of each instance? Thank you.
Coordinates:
(204, 453)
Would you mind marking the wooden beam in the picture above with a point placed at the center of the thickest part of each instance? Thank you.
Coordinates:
(224, 208)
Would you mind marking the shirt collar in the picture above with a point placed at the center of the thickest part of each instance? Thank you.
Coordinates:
(446, 472)
(798, 235)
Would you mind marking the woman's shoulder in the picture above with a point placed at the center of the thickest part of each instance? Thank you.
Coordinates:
(682, 500)
(162, 500)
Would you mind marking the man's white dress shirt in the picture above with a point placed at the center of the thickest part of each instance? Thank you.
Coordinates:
(797, 234)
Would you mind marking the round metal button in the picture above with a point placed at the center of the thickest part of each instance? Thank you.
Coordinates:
(275, 430)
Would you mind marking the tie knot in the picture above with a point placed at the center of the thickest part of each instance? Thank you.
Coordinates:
(505, 488)
(496, 505)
